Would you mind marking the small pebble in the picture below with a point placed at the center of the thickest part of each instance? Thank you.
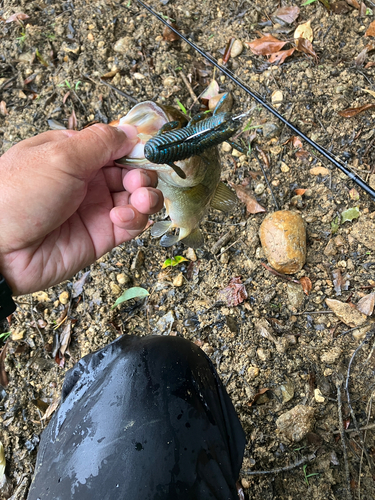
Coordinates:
(283, 238)
(252, 372)
(318, 396)
(296, 423)
(169, 81)
(277, 98)
(64, 297)
(262, 354)
(259, 189)
(122, 45)
(227, 148)
(115, 289)
(123, 279)
(295, 295)
(284, 167)
(190, 254)
(178, 280)
(331, 355)
(236, 49)
(224, 258)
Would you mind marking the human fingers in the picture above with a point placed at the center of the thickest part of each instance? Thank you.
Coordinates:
(92, 148)
(128, 218)
(147, 200)
(118, 178)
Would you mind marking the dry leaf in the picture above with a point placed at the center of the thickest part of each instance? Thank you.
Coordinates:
(234, 293)
(110, 74)
(257, 396)
(264, 157)
(51, 409)
(353, 3)
(72, 121)
(245, 195)
(302, 154)
(372, 92)
(211, 91)
(304, 31)
(19, 16)
(360, 59)
(305, 46)
(78, 285)
(279, 57)
(340, 282)
(300, 192)
(350, 112)
(65, 337)
(351, 317)
(306, 284)
(362, 9)
(266, 45)
(340, 8)
(287, 14)
(3, 108)
(169, 35)
(319, 171)
(371, 29)
(370, 64)
(3, 374)
(366, 304)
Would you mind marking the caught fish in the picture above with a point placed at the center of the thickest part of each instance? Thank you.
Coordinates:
(190, 186)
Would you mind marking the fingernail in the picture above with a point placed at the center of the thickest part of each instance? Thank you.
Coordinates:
(145, 179)
(130, 131)
(126, 214)
(154, 199)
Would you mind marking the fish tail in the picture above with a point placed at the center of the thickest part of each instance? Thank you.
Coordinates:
(169, 239)
(194, 240)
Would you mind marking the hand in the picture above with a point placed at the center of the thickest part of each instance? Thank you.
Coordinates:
(64, 203)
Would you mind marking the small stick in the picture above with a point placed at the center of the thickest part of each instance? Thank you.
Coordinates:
(102, 82)
(189, 87)
(364, 428)
(221, 242)
(341, 425)
(280, 469)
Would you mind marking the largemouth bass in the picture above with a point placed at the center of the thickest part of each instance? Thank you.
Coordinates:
(186, 200)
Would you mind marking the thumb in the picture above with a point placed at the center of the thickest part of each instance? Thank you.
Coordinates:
(96, 146)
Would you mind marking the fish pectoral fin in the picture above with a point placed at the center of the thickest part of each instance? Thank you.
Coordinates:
(160, 228)
(169, 239)
(224, 198)
(194, 240)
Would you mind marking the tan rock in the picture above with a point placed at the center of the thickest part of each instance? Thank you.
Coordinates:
(64, 297)
(364, 232)
(346, 313)
(236, 49)
(297, 422)
(178, 280)
(283, 238)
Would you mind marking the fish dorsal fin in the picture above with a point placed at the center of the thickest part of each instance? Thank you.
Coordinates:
(194, 239)
(160, 228)
(169, 239)
(224, 198)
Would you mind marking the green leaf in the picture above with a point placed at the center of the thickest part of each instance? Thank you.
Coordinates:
(350, 214)
(308, 2)
(174, 261)
(369, 12)
(132, 293)
(335, 225)
(181, 106)
(4, 336)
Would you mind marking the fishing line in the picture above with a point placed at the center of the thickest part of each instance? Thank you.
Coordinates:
(257, 97)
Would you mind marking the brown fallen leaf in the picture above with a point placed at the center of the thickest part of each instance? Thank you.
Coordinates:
(110, 74)
(287, 14)
(279, 57)
(306, 47)
(3, 374)
(245, 195)
(65, 337)
(235, 293)
(353, 3)
(257, 396)
(300, 192)
(340, 282)
(18, 16)
(360, 59)
(266, 45)
(3, 108)
(340, 7)
(371, 29)
(302, 154)
(51, 409)
(228, 48)
(263, 156)
(304, 31)
(366, 304)
(72, 121)
(362, 9)
(169, 35)
(370, 64)
(351, 317)
(211, 91)
(350, 112)
(306, 284)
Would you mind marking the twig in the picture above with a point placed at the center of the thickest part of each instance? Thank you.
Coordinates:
(221, 242)
(34, 319)
(280, 275)
(254, 151)
(280, 469)
(343, 442)
(189, 87)
(102, 82)
(364, 428)
(366, 341)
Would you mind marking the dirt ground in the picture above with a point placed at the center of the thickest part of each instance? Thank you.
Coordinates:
(279, 339)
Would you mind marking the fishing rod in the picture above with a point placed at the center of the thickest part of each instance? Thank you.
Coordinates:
(257, 97)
